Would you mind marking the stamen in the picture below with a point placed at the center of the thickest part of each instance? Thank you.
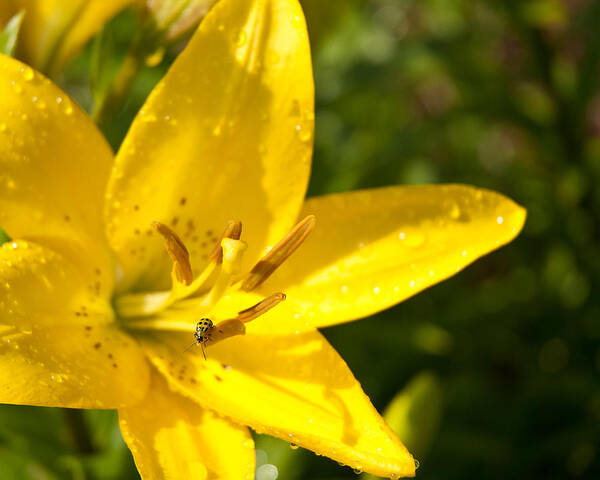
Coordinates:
(225, 329)
(261, 307)
(232, 230)
(221, 331)
(280, 252)
(232, 263)
(182, 269)
(235, 326)
(143, 304)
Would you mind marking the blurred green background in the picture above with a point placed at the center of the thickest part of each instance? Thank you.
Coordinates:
(498, 368)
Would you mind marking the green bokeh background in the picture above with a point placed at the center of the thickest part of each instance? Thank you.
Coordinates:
(499, 366)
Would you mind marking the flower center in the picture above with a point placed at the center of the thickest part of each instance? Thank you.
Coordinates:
(222, 274)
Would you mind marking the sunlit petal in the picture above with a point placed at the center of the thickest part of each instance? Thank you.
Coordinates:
(226, 135)
(374, 248)
(173, 438)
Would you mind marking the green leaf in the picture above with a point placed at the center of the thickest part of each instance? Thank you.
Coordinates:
(101, 59)
(3, 237)
(414, 414)
(10, 34)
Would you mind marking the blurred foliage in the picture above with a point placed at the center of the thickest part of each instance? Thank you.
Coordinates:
(10, 34)
(499, 94)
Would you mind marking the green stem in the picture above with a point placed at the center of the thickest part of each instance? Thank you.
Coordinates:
(117, 94)
(80, 433)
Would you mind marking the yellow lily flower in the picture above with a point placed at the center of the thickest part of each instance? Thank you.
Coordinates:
(227, 134)
(54, 31)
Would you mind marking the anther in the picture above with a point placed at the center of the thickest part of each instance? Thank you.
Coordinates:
(261, 307)
(280, 252)
(232, 230)
(235, 326)
(226, 329)
(182, 268)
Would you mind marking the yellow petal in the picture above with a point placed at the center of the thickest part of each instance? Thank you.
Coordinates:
(226, 135)
(54, 164)
(54, 30)
(58, 343)
(295, 387)
(173, 438)
(372, 249)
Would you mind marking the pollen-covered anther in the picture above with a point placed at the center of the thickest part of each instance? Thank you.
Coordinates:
(182, 268)
(261, 307)
(233, 230)
(278, 254)
(235, 326)
(224, 330)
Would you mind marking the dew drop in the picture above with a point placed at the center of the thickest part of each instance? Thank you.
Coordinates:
(293, 446)
(417, 464)
(454, 211)
(358, 470)
(304, 135)
(412, 284)
(376, 290)
(217, 131)
(415, 240)
(500, 220)
(241, 38)
(16, 87)
(27, 73)
(344, 288)
(148, 118)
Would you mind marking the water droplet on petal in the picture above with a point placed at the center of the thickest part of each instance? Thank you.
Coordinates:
(500, 220)
(358, 470)
(293, 446)
(28, 73)
(241, 38)
(415, 239)
(149, 118)
(16, 87)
